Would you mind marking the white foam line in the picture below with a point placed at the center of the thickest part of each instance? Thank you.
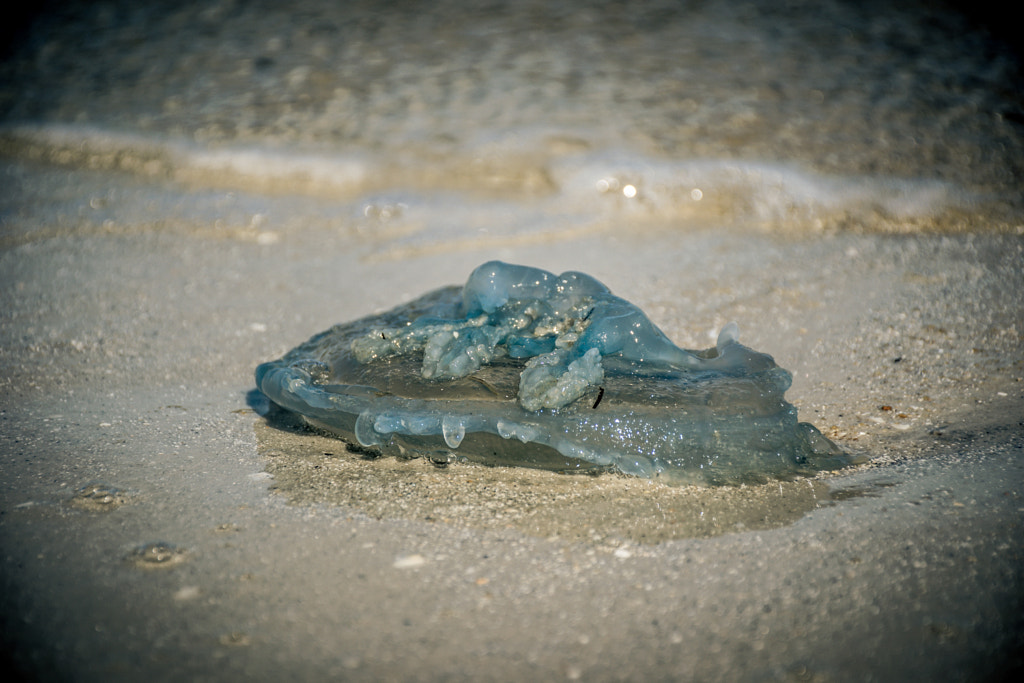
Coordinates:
(769, 190)
(264, 167)
(233, 167)
(763, 191)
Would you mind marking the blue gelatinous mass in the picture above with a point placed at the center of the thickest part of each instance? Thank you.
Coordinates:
(524, 367)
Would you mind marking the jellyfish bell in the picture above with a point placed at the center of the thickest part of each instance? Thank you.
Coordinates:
(523, 367)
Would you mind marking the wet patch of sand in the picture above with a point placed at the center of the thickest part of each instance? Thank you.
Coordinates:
(607, 509)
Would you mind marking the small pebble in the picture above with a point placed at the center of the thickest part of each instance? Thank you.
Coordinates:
(235, 639)
(187, 593)
(409, 562)
(98, 497)
(157, 555)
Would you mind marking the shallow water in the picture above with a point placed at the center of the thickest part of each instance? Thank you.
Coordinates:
(833, 114)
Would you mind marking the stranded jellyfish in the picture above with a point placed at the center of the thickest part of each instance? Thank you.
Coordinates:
(523, 367)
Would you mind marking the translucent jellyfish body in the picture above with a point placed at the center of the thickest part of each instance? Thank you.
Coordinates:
(524, 367)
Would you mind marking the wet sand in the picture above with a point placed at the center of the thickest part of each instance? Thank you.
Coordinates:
(226, 542)
(471, 572)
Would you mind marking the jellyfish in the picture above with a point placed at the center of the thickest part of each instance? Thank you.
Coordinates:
(522, 367)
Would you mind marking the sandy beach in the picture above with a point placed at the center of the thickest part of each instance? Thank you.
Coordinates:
(160, 519)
